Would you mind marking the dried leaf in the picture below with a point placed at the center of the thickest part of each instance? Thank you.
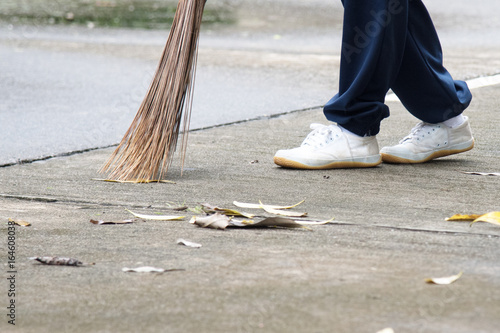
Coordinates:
(444, 280)
(59, 261)
(483, 173)
(279, 222)
(149, 269)
(260, 204)
(207, 208)
(156, 217)
(99, 222)
(137, 181)
(187, 243)
(282, 212)
(311, 222)
(386, 330)
(493, 218)
(462, 217)
(215, 221)
(20, 223)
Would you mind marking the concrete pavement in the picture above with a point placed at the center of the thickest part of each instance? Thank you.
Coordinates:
(364, 272)
(361, 273)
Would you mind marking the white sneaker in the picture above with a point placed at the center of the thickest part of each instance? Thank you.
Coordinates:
(429, 141)
(328, 147)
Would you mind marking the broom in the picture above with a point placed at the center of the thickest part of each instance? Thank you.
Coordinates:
(147, 148)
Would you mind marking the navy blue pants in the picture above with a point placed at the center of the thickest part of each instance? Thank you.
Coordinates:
(392, 44)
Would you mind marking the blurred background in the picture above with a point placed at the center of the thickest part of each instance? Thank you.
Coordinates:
(158, 14)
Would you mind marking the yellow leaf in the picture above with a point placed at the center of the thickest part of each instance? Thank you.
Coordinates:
(156, 217)
(493, 218)
(461, 217)
(444, 280)
(20, 223)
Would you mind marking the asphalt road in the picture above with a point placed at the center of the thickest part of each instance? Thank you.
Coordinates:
(65, 89)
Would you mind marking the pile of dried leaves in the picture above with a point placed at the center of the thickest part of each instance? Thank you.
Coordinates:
(214, 217)
(221, 218)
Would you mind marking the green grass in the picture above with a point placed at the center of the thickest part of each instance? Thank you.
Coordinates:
(147, 14)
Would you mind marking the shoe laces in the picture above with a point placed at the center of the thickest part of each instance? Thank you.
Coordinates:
(420, 131)
(321, 135)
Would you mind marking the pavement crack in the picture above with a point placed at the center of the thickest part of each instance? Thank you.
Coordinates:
(85, 204)
(28, 198)
(48, 157)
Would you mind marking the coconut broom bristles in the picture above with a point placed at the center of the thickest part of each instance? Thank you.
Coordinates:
(147, 148)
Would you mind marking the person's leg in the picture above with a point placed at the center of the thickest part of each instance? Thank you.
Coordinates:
(374, 34)
(428, 91)
(423, 85)
(373, 45)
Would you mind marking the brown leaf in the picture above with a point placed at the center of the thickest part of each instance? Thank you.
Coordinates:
(215, 221)
(280, 222)
(59, 261)
(207, 208)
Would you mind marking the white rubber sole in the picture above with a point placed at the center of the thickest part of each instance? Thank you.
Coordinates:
(365, 162)
(425, 157)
